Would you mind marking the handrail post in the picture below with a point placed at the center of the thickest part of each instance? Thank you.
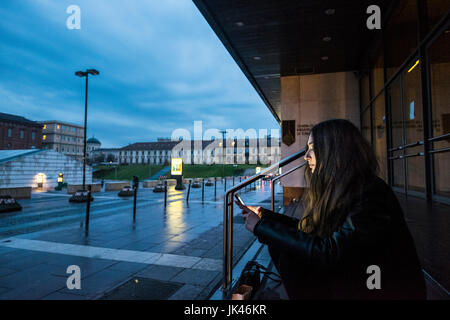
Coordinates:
(134, 203)
(215, 188)
(273, 196)
(225, 245)
(230, 239)
(88, 210)
(203, 189)
(165, 193)
(279, 177)
(189, 191)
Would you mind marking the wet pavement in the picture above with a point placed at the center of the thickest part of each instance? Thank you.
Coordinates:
(172, 252)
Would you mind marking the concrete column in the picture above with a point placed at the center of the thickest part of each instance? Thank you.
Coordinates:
(310, 99)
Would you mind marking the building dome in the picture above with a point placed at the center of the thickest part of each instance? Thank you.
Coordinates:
(93, 141)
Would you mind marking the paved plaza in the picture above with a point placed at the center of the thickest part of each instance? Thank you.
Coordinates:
(172, 252)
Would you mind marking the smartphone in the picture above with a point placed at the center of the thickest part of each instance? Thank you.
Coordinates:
(239, 199)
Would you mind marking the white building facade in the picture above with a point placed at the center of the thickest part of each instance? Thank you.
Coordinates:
(264, 151)
(38, 168)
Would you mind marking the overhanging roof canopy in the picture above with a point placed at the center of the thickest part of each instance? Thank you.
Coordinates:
(269, 39)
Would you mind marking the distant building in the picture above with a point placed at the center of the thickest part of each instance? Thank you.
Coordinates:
(147, 152)
(236, 151)
(92, 144)
(17, 132)
(195, 151)
(108, 154)
(39, 168)
(265, 150)
(63, 137)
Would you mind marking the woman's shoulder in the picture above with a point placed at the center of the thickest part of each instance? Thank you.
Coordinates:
(374, 185)
(377, 192)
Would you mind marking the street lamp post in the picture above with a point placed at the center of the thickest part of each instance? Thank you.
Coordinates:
(223, 132)
(85, 74)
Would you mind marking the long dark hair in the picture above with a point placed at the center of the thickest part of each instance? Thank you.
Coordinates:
(345, 162)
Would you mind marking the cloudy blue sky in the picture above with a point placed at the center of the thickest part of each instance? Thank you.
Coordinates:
(161, 68)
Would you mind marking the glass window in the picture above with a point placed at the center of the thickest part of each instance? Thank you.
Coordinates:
(441, 166)
(435, 10)
(398, 167)
(378, 74)
(412, 105)
(439, 59)
(379, 134)
(395, 101)
(401, 36)
(416, 174)
(22, 134)
(365, 91)
(365, 125)
(9, 132)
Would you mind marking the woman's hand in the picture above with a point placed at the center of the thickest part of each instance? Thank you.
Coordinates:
(251, 219)
(249, 209)
(251, 215)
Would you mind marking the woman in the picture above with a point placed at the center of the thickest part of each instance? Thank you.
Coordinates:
(352, 241)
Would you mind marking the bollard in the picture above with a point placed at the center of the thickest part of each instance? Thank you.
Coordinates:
(233, 181)
(240, 179)
(215, 188)
(225, 184)
(88, 209)
(165, 193)
(134, 204)
(189, 191)
(203, 190)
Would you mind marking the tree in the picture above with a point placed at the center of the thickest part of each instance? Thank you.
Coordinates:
(110, 158)
(99, 158)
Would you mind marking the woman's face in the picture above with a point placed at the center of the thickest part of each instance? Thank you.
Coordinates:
(310, 156)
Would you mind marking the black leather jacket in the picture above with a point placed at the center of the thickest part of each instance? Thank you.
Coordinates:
(335, 267)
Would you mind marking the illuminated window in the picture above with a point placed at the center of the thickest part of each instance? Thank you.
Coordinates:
(44, 137)
(45, 126)
(58, 127)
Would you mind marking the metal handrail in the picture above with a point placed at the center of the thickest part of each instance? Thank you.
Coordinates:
(414, 144)
(441, 137)
(228, 217)
(407, 156)
(281, 176)
(439, 150)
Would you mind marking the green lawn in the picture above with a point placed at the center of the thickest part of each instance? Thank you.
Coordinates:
(126, 172)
